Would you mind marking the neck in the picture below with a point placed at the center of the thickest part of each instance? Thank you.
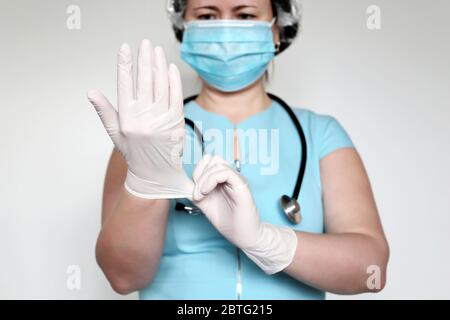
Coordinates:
(236, 106)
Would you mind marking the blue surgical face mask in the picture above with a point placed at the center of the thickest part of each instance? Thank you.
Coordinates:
(229, 55)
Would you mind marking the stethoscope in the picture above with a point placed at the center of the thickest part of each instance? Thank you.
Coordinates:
(289, 205)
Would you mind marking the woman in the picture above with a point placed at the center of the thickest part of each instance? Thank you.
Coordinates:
(242, 246)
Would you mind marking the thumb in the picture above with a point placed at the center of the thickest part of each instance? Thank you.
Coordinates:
(107, 113)
(218, 174)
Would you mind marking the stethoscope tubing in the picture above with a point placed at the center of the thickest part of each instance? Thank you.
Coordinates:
(290, 205)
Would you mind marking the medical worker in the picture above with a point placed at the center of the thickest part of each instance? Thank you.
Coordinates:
(180, 226)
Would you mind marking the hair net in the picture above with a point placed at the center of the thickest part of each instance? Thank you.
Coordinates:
(288, 13)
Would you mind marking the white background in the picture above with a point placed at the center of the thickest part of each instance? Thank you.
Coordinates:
(388, 88)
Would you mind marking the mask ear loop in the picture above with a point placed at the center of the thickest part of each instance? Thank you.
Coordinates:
(278, 44)
(271, 69)
(272, 22)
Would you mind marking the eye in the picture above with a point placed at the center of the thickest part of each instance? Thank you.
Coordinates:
(206, 17)
(246, 16)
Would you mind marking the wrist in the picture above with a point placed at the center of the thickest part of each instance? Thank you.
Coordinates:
(275, 249)
(138, 187)
(172, 187)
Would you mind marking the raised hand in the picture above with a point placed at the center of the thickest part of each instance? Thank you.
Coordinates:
(148, 127)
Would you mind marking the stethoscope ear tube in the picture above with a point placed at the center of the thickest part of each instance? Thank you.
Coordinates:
(290, 205)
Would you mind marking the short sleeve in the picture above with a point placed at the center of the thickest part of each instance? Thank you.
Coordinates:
(331, 135)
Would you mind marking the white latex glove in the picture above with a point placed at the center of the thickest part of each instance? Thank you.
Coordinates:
(148, 128)
(225, 198)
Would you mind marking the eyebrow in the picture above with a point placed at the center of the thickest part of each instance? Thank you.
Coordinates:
(206, 7)
(237, 8)
(243, 7)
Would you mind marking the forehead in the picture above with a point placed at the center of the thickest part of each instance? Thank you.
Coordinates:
(227, 3)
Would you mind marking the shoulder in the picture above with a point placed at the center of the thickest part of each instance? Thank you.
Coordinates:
(313, 119)
(325, 131)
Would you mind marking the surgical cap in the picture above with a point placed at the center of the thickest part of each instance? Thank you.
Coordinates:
(287, 12)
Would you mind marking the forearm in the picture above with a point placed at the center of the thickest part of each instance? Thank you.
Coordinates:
(338, 263)
(130, 243)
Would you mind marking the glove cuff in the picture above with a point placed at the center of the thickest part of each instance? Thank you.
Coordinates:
(152, 189)
(275, 250)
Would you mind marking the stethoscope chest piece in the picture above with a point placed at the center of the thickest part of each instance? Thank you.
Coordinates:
(291, 208)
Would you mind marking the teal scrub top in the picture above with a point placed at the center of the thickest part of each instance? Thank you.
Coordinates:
(197, 261)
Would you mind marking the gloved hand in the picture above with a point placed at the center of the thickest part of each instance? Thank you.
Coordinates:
(225, 198)
(148, 128)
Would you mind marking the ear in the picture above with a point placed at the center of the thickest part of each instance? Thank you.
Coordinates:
(276, 35)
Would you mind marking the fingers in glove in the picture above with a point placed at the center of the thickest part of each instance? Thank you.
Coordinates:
(217, 174)
(108, 115)
(161, 80)
(208, 182)
(218, 160)
(125, 91)
(206, 162)
(145, 72)
(201, 165)
(175, 89)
